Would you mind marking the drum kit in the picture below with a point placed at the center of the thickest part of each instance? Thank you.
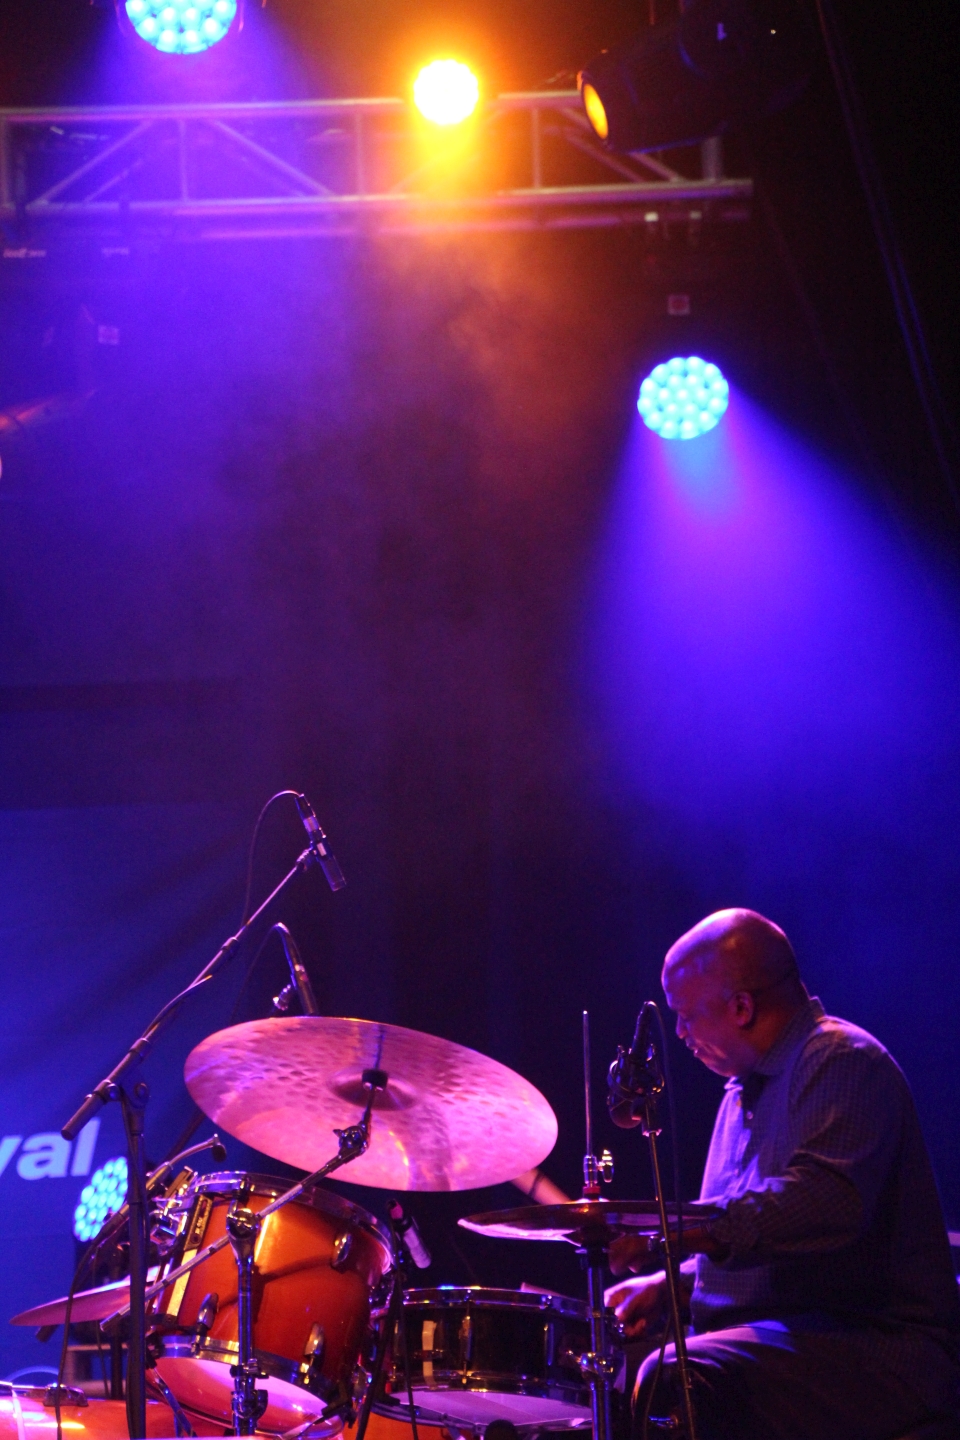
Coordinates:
(277, 1309)
(281, 1310)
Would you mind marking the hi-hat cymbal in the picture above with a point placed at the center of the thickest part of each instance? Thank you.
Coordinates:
(449, 1118)
(598, 1220)
(87, 1305)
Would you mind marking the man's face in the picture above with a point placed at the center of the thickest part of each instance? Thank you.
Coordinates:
(706, 1018)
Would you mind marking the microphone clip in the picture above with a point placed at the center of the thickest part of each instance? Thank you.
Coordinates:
(636, 1079)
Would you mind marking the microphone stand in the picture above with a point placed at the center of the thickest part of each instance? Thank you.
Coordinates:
(133, 1103)
(597, 1365)
(643, 1080)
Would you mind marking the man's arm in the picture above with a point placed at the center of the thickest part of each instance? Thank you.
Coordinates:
(847, 1110)
(639, 1254)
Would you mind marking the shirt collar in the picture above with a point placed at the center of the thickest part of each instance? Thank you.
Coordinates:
(773, 1062)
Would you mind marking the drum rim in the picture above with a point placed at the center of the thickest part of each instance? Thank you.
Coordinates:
(326, 1201)
(483, 1297)
(503, 1382)
(226, 1353)
(397, 1405)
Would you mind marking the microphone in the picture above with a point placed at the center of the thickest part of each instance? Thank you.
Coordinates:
(317, 842)
(300, 980)
(636, 1075)
(406, 1228)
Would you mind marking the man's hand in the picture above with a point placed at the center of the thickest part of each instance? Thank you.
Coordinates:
(640, 1305)
(631, 1254)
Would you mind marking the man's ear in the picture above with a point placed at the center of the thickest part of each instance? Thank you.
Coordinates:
(744, 1009)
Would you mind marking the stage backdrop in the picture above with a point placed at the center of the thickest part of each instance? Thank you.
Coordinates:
(374, 521)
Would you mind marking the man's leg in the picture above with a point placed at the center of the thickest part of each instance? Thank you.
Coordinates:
(762, 1382)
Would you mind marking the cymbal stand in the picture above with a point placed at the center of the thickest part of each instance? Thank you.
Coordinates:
(243, 1228)
(597, 1366)
(249, 1403)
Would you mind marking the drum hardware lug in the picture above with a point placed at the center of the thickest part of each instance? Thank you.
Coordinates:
(605, 1167)
(64, 1395)
(313, 1352)
(342, 1248)
(466, 1341)
(598, 1366)
(207, 1314)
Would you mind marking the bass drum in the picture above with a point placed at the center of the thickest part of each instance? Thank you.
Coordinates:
(479, 1355)
(315, 1264)
(24, 1416)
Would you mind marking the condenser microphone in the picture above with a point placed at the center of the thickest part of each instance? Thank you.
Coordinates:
(298, 975)
(636, 1074)
(406, 1227)
(317, 841)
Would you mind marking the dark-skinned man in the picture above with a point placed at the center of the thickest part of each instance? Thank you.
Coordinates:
(823, 1300)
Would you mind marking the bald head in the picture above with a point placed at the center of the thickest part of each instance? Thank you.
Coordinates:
(739, 948)
(734, 983)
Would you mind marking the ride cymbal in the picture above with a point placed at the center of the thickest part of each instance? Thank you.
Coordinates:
(599, 1219)
(448, 1119)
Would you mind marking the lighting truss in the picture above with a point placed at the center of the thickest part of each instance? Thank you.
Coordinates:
(116, 174)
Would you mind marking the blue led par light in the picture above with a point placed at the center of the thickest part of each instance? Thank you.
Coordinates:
(683, 398)
(102, 1197)
(180, 27)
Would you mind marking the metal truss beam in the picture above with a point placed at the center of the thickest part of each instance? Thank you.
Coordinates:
(334, 167)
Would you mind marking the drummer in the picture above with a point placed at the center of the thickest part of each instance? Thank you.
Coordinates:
(822, 1299)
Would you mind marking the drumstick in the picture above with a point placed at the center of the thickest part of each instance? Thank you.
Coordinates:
(539, 1188)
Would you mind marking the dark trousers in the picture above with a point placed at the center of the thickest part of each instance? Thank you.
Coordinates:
(765, 1382)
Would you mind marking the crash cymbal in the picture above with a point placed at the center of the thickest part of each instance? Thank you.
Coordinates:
(600, 1219)
(449, 1118)
(87, 1305)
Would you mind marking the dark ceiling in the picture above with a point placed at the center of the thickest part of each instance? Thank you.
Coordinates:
(803, 285)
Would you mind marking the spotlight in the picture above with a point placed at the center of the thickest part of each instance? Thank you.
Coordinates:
(180, 27)
(719, 63)
(102, 1197)
(683, 398)
(446, 92)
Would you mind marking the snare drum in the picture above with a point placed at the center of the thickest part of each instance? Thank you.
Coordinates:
(479, 1355)
(315, 1264)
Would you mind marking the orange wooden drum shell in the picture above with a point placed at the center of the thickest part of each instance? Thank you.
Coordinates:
(27, 1418)
(294, 1284)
